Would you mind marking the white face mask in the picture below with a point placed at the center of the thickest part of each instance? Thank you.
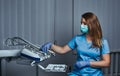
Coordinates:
(84, 28)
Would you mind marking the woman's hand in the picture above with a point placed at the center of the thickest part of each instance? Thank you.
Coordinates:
(46, 47)
(82, 64)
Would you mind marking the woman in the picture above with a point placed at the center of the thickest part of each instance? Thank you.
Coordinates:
(92, 48)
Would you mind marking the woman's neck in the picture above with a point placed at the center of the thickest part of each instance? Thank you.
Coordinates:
(88, 38)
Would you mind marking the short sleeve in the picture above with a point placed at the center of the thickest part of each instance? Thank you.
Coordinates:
(105, 47)
(72, 43)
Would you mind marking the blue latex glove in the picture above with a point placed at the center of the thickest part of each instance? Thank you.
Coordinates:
(46, 47)
(82, 64)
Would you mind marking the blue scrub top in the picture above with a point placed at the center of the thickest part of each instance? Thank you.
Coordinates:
(87, 53)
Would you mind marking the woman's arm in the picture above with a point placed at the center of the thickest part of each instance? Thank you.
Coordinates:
(60, 50)
(105, 62)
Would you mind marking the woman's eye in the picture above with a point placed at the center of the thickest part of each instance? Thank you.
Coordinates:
(83, 23)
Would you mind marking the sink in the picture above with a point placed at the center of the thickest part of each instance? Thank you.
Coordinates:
(9, 53)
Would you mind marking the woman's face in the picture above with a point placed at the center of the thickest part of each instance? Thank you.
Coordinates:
(84, 27)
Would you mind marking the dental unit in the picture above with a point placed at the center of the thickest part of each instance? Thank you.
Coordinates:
(31, 52)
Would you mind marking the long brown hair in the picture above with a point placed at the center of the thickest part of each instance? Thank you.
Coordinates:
(95, 30)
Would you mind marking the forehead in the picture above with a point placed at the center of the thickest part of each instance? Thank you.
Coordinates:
(83, 20)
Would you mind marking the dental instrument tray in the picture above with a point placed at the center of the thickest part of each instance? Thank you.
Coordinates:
(56, 68)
